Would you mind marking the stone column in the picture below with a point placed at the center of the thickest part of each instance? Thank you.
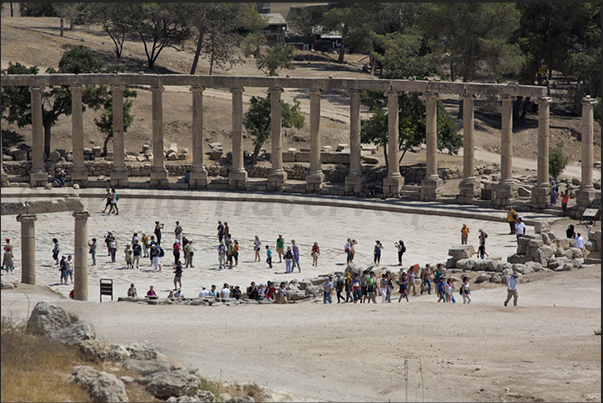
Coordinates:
(278, 176)
(237, 178)
(38, 175)
(506, 190)
(28, 248)
(542, 189)
(587, 191)
(4, 181)
(430, 186)
(315, 178)
(119, 173)
(392, 184)
(198, 174)
(468, 186)
(159, 175)
(80, 256)
(354, 180)
(79, 173)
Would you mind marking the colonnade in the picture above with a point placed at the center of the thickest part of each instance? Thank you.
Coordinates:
(506, 189)
(80, 255)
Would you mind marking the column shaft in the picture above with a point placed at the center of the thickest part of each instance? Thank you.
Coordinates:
(431, 136)
(543, 141)
(28, 248)
(392, 134)
(119, 174)
(587, 143)
(80, 256)
(315, 177)
(237, 178)
(506, 161)
(158, 171)
(468, 140)
(198, 174)
(278, 176)
(354, 180)
(38, 175)
(4, 175)
(79, 174)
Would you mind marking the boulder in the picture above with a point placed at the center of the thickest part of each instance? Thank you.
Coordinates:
(495, 266)
(563, 243)
(482, 277)
(313, 290)
(173, 383)
(20, 155)
(543, 253)
(535, 266)
(93, 350)
(241, 399)
(74, 334)
(304, 284)
(451, 263)
(523, 269)
(461, 252)
(142, 351)
(148, 367)
(101, 386)
(47, 318)
(546, 239)
(117, 353)
(496, 278)
(577, 263)
(97, 151)
(518, 258)
(541, 227)
(577, 253)
(523, 191)
(555, 263)
(54, 156)
(507, 272)
(564, 253)
(296, 295)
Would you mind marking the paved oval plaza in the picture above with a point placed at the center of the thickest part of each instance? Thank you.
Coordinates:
(422, 351)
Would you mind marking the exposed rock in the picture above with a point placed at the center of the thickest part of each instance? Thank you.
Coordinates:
(117, 353)
(577, 253)
(523, 191)
(557, 262)
(142, 351)
(47, 318)
(482, 277)
(101, 386)
(54, 156)
(577, 263)
(94, 350)
(313, 290)
(541, 227)
(128, 380)
(518, 258)
(461, 252)
(148, 367)
(296, 295)
(73, 334)
(543, 253)
(241, 399)
(173, 383)
(563, 243)
(496, 278)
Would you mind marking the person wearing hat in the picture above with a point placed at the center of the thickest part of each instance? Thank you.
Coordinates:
(132, 291)
(280, 247)
(179, 293)
(512, 282)
(178, 231)
(315, 254)
(176, 250)
(204, 292)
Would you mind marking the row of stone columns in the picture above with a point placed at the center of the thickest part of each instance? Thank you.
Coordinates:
(80, 255)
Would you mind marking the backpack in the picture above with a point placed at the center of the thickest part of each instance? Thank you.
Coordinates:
(288, 255)
(403, 248)
(161, 252)
(116, 197)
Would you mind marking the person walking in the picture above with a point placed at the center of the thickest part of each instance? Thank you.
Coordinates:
(512, 282)
(108, 197)
(403, 282)
(113, 248)
(8, 262)
(188, 249)
(176, 250)
(222, 255)
(92, 250)
(315, 254)
(481, 236)
(371, 288)
(114, 199)
(356, 288)
(377, 252)
(136, 252)
(129, 256)
(288, 260)
(383, 288)
(268, 256)
(327, 288)
(466, 291)
(512, 219)
(146, 245)
(449, 291)
(412, 275)
(564, 201)
(464, 234)
(442, 289)
(426, 279)
(256, 248)
(156, 253)
(55, 250)
(235, 254)
(339, 285)
(554, 192)
(178, 232)
(63, 271)
(177, 274)
(280, 247)
(230, 253)
(401, 250)
(481, 251)
(295, 250)
(348, 288)
(158, 228)
(220, 230)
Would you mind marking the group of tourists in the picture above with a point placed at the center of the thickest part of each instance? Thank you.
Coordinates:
(111, 199)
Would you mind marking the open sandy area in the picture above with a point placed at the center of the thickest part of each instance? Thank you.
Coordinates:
(542, 350)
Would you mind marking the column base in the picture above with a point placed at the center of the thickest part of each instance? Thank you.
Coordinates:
(276, 180)
(506, 193)
(468, 190)
(237, 180)
(38, 179)
(585, 197)
(4, 181)
(540, 197)
(159, 179)
(119, 178)
(430, 188)
(354, 185)
(314, 182)
(392, 185)
(80, 178)
(197, 180)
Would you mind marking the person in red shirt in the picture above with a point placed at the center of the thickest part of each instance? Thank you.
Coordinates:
(564, 201)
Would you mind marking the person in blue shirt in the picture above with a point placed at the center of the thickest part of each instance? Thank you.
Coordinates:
(442, 289)
(268, 256)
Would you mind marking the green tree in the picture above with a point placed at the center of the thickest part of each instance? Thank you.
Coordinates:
(307, 22)
(257, 120)
(411, 124)
(278, 57)
(16, 101)
(557, 160)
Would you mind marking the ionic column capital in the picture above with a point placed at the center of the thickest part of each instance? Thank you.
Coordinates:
(76, 87)
(239, 89)
(315, 91)
(353, 91)
(36, 88)
(275, 90)
(391, 93)
(159, 88)
(507, 98)
(469, 97)
(588, 101)
(81, 215)
(27, 218)
(196, 88)
(117, 87)
(545, 100)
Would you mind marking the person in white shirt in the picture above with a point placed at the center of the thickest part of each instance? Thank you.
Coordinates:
(512, 282)
(520, 228)
(179, 293)
(225, 293)
(579, 241)
(203, 293)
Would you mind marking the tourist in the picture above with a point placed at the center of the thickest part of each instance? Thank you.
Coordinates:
(268, 256)
(157, 230)
(371, 288)
(390, 281)
(401, 250)
(281, 296)
(179, 293)
(570, 232)
(63, 270)
(327, 290)
(114, 199)
(204, 292)
(512, 219)
(481, 251)
(271, 292)
(520, 228)
(155, 254)
(136, 252)
(151, 292)
(178, 231)
(482, 236)
(438, 274)
(8, 246)
(222, 255)
(579, 241)
(235, 254)
(176, 250)
(403, 282)
(339, 284)
(464, 234)
(288, 260)
(377, 252)
(146, 245)
(8, 262)
(252, 291)
(177, 273)
(564, 201)
(347, 247)
(229, 251)
(213, 292)
(129, 254)
(171, 295)
(225, 292)
(280, 247)
(466, 290)
(383, 288)
(236, 293)
(295, 250)
(108, 197)
(512, 282)
(261, 292)
(442, 289)
(349, 297)
(220, 230)
(364, 285)
(356, 288)
(188, 253)
(554, 191)
(256, 248)
(226, 230)
(132, 291)
(135, 238)
(55, 250)
(113, 248)
(412, 275)
(449, 291)
(315, 254)
(426, 279)
(92, 250)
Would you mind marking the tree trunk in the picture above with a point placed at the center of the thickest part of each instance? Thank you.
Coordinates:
(71, 24)
(341, 51)
(197, 53)
(106, 143)
(62, 26)
(11, 10)
(461, 108)
(451, 72)
(211, 60)
(372, 62)
(256, 152)
(516, 105)
(47, 139)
